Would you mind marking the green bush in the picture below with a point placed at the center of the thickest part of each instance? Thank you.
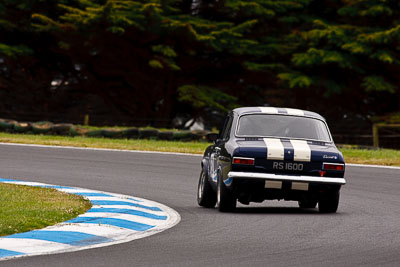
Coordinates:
(95, 133)
(62, 128)
(200, 135)
(112, 133)
(131, 133)
(167, 135)
(148, 133)
(68, 129)
(7, 125)
(22, 127)
(42, 127)
(77, 131)
(182, 136)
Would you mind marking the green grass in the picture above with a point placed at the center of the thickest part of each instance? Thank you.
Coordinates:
(131, 144)
(387, 157)
(25, 208)
(351, 154)
(91, 128)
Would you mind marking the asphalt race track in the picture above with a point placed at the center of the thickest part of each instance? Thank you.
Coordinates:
(366, 229)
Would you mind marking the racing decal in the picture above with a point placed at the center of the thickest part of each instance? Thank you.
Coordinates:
(275, 149)
(212, 172)
(302, 151)
(271, 110)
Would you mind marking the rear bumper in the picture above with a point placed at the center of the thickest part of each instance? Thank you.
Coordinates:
(293, 178)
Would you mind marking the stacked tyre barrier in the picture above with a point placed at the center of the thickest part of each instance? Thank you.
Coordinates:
(67, 129)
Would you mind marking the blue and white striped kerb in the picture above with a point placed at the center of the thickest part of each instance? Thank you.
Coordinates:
(113, 219)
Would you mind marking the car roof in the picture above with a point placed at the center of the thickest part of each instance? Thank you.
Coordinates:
(280, 111)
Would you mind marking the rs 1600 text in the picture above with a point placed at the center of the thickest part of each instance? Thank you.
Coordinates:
(290, 166)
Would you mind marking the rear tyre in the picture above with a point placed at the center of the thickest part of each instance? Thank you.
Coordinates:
(307, 204)
(206, 197)
(329, 202)
(225, 201)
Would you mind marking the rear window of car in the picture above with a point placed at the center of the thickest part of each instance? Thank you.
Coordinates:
(266, 125)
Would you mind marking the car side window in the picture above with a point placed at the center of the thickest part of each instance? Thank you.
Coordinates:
(227, 129)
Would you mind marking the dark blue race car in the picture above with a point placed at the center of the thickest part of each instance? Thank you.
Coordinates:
(272, 153)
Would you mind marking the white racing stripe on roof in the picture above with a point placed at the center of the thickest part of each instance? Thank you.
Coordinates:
(31, 246)
(275, 149)
(271, 110)
(297, 112)
(302, 151)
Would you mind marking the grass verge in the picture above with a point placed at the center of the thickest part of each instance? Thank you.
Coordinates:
(129, 144)
(25, 208)
(388, 157)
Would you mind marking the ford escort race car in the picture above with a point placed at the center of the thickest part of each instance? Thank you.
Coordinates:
(266, 153)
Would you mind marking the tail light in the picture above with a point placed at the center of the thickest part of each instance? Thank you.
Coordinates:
(333, 166)
(243, 161)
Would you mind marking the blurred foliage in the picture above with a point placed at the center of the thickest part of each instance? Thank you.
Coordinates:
(161, 58)
(206, 97)
(390, 118)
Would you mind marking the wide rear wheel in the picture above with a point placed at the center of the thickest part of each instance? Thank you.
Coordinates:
(329, 202)
(307, 204)
(206, 196)
(225, 200)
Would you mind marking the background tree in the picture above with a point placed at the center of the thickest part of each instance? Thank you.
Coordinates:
(27, 64)
(347, 52)
(147, 62)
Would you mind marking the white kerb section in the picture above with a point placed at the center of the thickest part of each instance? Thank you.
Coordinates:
(113, 219)
(270, 110)
(302, 151)
(275, 149)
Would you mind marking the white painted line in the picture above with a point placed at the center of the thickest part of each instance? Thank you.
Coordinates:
(104, 149)
(26, 183)
(373, 166)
